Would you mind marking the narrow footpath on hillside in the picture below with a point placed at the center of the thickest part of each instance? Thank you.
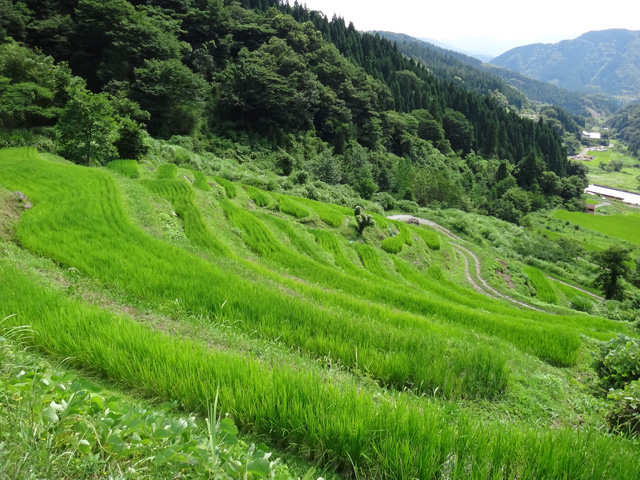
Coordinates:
(467, 255)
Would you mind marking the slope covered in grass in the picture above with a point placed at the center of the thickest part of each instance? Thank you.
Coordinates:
(325, 295)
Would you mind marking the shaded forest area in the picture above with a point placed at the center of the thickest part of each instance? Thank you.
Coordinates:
(322, 101)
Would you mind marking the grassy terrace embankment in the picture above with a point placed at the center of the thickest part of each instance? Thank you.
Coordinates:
(366, 309)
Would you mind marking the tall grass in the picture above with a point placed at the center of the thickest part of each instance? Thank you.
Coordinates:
(339, 424)
(126, 168)
(370, 259)
(259, 197)
(430, 237)
(200, 181)
(544, 288)
(182, 197)
(167, 171)
(229, 187)
(330, 242)
(291, 207)
(79, 221)
(332, 215)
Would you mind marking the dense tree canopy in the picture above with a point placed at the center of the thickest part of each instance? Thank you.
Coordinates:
(344, 106)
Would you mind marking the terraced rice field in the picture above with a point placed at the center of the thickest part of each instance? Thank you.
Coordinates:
(625, 227)
(376, 348)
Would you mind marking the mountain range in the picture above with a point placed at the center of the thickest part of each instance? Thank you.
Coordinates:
(606, 61)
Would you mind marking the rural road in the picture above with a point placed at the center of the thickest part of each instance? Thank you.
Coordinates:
(466, 254)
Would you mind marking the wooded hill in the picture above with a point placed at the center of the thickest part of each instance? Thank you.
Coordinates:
(596, 62)
(272, 76)
(486, 79)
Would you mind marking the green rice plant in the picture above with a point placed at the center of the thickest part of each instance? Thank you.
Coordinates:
(229, 187)
(257, 236)
(259, 197)
(167, 171)
(329, 241)
(182, 198)
(430, 237)
(625, 227)
(369, 431)
(544, 288)
(103, 244)
(200, 181)
(332, 215)
(289, 206)
(106, 246)
(126, 168)
(396, 242)
(370, 259)
(298, 239)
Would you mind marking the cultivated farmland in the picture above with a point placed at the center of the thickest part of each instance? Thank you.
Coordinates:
(363, 354)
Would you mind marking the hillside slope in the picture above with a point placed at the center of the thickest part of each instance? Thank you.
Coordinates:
(348, 347)
(605, 61)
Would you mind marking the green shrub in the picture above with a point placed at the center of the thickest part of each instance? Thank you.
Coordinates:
(625, 414)
(617, 362)
(582, 304)
(408, 206)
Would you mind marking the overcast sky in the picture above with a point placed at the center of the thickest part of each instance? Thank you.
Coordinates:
(518, 22)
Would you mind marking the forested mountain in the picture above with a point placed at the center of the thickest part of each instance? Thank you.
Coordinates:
(456, 67)
(605, 61)
(313, 94)
(485, 78)
(626, 121)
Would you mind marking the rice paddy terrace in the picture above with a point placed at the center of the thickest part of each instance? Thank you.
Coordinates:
(366, 354)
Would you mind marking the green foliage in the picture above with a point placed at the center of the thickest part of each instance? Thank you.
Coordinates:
(544, 288)
(72, 418)
(87, 128)
(200, 181)
(172, 94)
(259, 197)
(127, 168)
(289, 206)
(362, 219)
(167, 171)
(625, 413)
(430, 237)
(32, 87)
(617, 362)
(229, 187)
(613, 268)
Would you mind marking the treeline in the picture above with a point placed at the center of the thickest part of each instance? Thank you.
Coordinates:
(322, 100)
(626, 122)
(458, 68)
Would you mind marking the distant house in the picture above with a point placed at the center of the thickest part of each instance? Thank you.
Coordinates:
(614, 194)
(590, 209)
(592, 135)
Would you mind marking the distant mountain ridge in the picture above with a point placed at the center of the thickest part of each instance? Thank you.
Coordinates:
(485, 78)
(606, 61)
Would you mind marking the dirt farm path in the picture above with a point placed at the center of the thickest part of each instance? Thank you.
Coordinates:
(467, 256)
